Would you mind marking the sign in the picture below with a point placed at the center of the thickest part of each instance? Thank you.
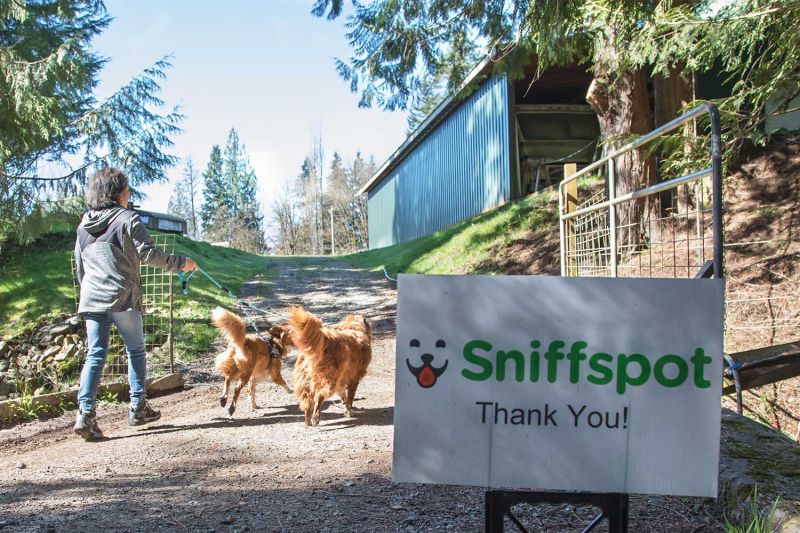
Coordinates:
(589, 384)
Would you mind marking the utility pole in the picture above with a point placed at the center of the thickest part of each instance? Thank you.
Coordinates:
(333, 242)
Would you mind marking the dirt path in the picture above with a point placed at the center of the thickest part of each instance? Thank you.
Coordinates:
(199, 470)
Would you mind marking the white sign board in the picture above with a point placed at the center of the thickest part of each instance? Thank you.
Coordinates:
(590, 384)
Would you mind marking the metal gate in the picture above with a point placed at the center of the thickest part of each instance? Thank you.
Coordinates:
(677, 238)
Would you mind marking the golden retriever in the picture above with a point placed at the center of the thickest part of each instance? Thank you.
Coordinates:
(249, 357)
(332, 360)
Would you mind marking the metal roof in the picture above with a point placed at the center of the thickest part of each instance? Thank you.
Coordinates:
(161, 215)
(441, 112)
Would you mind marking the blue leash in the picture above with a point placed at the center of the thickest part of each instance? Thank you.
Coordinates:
(184, 277)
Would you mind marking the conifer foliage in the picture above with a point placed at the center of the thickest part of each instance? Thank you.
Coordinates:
(231, 211)
(49, 116)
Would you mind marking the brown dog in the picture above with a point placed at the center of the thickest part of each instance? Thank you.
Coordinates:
(249, 357)
(331, 361)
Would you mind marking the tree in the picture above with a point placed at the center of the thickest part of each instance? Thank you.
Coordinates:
(231, 210)
(432, 90)
(50, 117)
(399, 44)
(287, 217)
(423, 103)
(306, 204)
(317, 198)
(241, 179)
(338, 197)
(215, 199)
(184, 197)
(359, 174)
(755, 46)
(293, 215)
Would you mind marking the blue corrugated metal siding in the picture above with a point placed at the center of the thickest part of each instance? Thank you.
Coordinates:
(459, 170)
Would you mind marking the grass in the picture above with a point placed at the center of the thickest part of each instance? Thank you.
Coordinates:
(36, 286)
(466, 247)
(760, 520)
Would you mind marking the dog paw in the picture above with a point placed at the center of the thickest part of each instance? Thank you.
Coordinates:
(231, 409)
(255, 407)
(348, 413)
(223, 401)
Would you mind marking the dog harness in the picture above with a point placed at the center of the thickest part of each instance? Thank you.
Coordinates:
(274, 351)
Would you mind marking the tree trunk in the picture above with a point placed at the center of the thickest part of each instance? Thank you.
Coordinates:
(621, 100)
(672, 93)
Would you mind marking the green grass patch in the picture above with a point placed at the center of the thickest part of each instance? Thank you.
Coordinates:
(36, 286)
(232, 268)
(466, 247)
(36, 283)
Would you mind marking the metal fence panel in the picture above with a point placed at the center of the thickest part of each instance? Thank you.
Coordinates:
(680, 238)
(157, 299)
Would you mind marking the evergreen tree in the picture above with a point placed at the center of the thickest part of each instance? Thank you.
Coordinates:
(360, 173)
(48, 112)
(240, 180)
(216, 201)
(307, 205)
(423, 102)
(430, 91)
(338, 197)
(231, 211)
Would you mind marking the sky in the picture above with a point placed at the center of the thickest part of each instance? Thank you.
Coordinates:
(265, 68)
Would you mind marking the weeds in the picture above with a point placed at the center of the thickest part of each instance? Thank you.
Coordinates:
(108, 397)
(762, 520)
(27, 408)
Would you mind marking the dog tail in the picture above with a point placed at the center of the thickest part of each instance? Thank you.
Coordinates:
(307, 330)
(231, 326)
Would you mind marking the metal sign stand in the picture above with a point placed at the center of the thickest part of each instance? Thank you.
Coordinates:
(614, 507)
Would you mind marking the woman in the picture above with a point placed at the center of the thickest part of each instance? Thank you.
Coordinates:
(112, 242)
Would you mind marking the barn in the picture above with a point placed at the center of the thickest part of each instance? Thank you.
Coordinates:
(493, 142)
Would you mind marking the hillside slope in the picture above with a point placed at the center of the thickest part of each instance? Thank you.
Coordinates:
(517, 238)
(36, 283)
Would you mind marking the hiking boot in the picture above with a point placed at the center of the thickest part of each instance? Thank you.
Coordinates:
(86, 425)
(142, 414)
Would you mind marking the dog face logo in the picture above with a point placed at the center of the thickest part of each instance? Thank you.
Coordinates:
(427, 374)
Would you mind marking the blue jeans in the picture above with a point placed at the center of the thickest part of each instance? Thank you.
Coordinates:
(98, 327)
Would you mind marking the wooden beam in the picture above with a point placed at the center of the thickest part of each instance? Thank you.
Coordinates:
(571, 192)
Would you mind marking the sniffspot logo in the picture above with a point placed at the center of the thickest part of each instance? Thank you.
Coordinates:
(427, 374)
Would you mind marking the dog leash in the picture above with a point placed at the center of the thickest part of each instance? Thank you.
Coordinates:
(184, 277)
(243, 306)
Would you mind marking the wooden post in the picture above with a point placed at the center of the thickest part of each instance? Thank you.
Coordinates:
(571, 199)
(333, 242)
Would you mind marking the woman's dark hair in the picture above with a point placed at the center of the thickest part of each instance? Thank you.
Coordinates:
(104, 189)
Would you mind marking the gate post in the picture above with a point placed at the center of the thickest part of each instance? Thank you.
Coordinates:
(571, 193)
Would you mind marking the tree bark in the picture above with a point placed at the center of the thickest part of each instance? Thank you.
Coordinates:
(672, 93)
(620, 98)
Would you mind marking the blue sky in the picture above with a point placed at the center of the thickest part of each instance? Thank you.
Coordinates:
(263, 67)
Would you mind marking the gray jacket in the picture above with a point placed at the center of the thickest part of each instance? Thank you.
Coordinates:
(110, 247)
